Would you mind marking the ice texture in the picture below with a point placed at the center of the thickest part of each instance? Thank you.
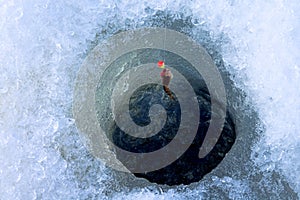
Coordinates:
(43, 44)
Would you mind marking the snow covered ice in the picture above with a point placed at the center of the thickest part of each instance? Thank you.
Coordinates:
(43, 45)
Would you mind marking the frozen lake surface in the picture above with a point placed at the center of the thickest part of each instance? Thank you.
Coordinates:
(43, 45)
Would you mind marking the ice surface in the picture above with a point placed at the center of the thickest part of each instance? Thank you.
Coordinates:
(42, 47)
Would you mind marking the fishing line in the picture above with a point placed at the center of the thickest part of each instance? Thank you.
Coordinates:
(165, 36)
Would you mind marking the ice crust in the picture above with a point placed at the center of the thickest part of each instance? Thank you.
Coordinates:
(42, 47)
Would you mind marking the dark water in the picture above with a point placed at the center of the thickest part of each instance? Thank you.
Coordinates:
(186, 169)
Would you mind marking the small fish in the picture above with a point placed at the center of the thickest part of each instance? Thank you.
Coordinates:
(168, 91)
(166, 76)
